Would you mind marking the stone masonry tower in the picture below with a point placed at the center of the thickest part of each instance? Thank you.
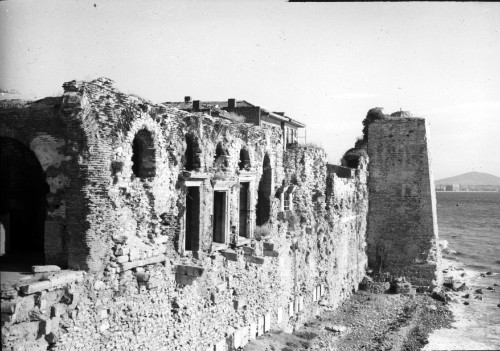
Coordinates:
(402, 226)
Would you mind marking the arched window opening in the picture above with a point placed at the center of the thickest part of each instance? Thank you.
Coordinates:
(244, 163)
(192, 155)
(264, 192)
(221, 159)
(143, 155)
(23, 205)
(352, 162)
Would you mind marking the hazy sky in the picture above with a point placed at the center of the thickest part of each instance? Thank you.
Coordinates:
(325, 64)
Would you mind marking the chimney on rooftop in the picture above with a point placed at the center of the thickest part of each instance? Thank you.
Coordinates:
(187, 99)
(196, 105)
(231, 103)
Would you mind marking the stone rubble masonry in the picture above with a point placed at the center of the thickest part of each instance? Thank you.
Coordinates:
(402, 226)
(142, 288)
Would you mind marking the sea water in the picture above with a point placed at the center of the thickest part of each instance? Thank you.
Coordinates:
(470, 224)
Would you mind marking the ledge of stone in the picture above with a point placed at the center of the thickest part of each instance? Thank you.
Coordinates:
(53, 281)
(254, 259)
(139, 263)
(230, 255)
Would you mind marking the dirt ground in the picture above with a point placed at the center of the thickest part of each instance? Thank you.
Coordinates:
(366, 321)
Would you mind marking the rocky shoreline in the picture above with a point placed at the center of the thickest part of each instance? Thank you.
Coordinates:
(474, 300)
(460, 316)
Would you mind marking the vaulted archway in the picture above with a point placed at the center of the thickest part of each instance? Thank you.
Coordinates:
(23, 205)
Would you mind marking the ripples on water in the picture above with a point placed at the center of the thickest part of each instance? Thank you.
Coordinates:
(470, 222)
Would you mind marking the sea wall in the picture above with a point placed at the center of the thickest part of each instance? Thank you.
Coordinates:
(187, 232)
(402, 226)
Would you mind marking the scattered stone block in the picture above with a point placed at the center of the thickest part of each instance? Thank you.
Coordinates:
(252, 330)
(336, 328)
(142, 277)
(230, 255)
(45, 269)
(248, 250)
(52, 338)
(182, 279)
(254, 259)
(152, 260)
(269, 253)
(301, 303)
(7, 317)
(44, 327)
(240, 337)
(267, 322)
(268, 246)
(220, 346)
(8, 307)
(403, 287)
(239, 303)
(122, 259)
(260, 326)
(36, 287)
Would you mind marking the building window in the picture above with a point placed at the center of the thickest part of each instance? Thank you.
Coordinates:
(221, 218)
(143, 155)
(244, 209)
(192, 219)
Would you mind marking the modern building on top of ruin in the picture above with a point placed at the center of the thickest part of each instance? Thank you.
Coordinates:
(243, 111)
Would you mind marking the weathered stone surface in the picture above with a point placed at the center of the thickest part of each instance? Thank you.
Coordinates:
(122, 172)
(402, 206)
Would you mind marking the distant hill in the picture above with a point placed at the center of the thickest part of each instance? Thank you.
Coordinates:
(471, 178)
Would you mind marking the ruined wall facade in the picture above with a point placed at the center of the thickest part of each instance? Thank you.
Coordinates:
(142, 286)
(402, 226)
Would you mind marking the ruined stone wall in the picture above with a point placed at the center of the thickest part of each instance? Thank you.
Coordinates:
(402, 228)
(143, 289)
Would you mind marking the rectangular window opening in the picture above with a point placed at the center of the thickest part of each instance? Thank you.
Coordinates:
(192, 237)
(220, 217)
(244, 209)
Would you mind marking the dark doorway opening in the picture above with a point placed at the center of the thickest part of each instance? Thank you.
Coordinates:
(219, 235)
(264, 200)
(23, 205)
(244, 208)
(192, 238)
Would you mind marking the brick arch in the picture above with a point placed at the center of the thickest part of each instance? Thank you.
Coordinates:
(145, 131)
